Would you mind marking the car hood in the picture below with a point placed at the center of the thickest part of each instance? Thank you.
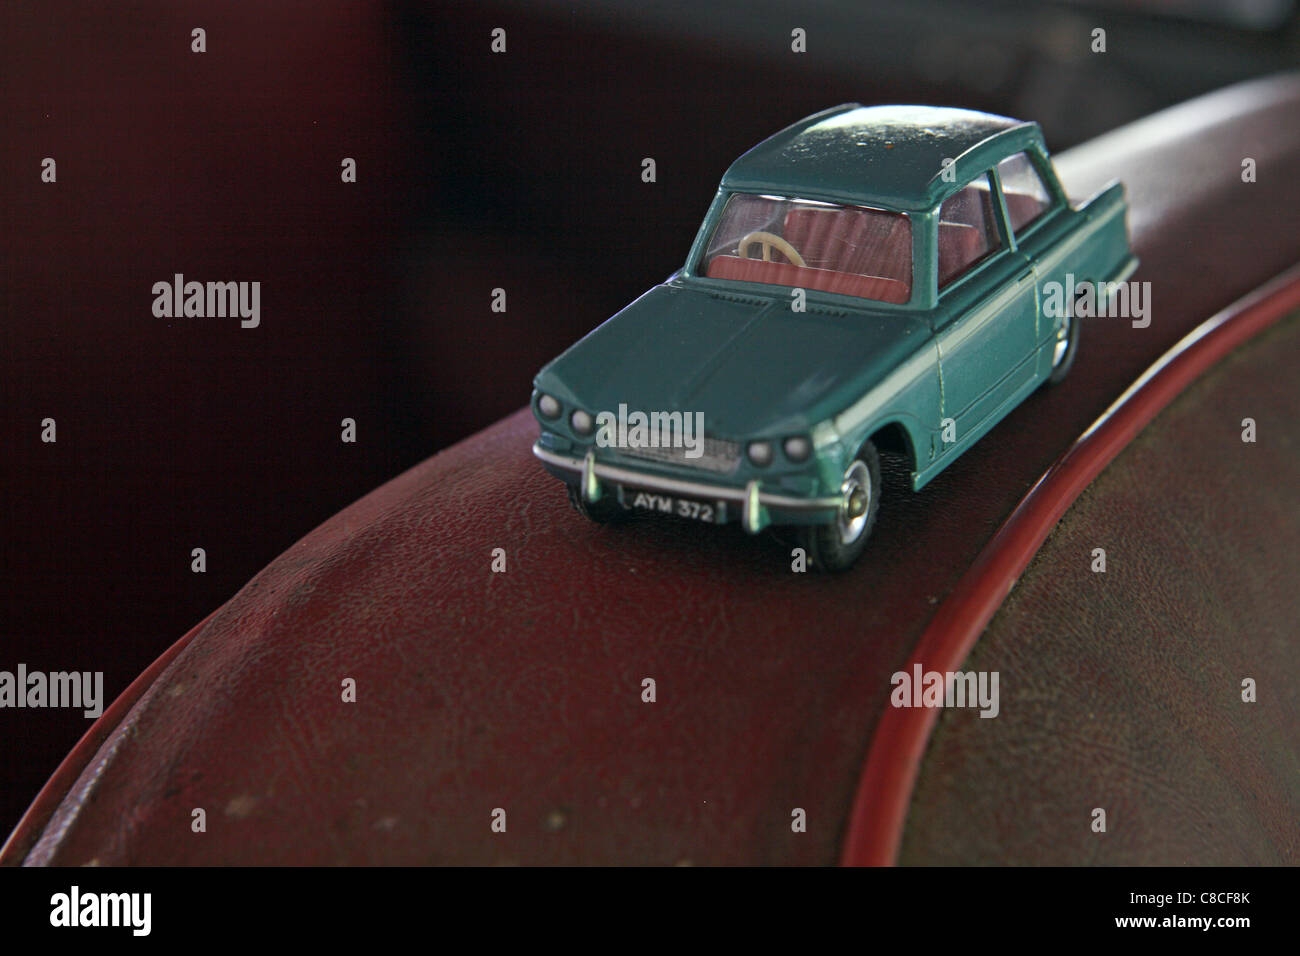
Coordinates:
(749, 363)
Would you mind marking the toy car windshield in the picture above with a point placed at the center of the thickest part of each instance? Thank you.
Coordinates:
(849, 250)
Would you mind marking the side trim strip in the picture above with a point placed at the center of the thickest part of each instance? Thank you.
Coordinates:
(879, 811)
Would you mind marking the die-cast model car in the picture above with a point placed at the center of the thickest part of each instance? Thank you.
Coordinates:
(869, 279)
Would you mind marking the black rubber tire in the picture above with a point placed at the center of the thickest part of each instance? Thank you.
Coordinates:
(605, 511)
(824, 545)
(1057, 375)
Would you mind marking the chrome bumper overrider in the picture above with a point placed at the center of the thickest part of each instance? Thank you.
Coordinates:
(751, 499)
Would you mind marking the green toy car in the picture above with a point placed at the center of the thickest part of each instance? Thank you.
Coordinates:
(867, 279)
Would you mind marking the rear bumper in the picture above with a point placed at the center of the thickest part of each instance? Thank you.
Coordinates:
(758, 508)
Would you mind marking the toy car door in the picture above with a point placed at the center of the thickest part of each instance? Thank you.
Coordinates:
(988, 309)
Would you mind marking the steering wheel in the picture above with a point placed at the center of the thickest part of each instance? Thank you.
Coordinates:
(769, 241)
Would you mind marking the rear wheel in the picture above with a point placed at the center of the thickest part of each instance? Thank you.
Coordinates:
(836, 546)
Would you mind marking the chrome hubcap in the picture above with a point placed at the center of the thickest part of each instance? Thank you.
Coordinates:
(1062, 341)
(855, 503)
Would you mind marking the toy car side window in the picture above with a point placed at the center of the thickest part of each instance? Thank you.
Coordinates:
(1023, 191)
(968, 231)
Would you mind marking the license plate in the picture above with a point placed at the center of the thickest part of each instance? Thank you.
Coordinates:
(670, 505)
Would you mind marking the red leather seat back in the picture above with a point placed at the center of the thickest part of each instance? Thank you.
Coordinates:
(851, 240)
(959, 246)
(1022, 208)
(822, 235)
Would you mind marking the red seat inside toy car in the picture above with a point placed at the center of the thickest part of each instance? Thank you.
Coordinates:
(783, 273)
(960, 245)
(826, 236)
(860, 241)
(1022, 208)
(844, 251)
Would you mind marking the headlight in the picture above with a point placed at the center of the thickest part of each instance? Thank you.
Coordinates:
(582, 422)
(797, 448)
(760, 453)
(549, 406)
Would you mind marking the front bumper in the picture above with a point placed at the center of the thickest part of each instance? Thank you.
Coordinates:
(758, 508)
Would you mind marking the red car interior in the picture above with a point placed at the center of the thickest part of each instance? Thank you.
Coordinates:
(1022, 208)
(825, 280)
(959, 246)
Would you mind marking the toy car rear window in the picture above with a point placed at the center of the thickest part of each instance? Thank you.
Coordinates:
(850, 250)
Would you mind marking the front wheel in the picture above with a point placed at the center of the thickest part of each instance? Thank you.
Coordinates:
(836, 546)
(1064, 347)
(604, 511)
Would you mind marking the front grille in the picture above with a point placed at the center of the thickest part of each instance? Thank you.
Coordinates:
(719, 455)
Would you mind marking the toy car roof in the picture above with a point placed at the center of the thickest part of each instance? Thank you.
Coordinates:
(886, 155)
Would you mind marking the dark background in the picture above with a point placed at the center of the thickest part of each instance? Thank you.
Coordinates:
(475, 171)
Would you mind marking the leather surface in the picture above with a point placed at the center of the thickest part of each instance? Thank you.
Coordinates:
(522, 690)
(1123, 690)
(474, 172)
